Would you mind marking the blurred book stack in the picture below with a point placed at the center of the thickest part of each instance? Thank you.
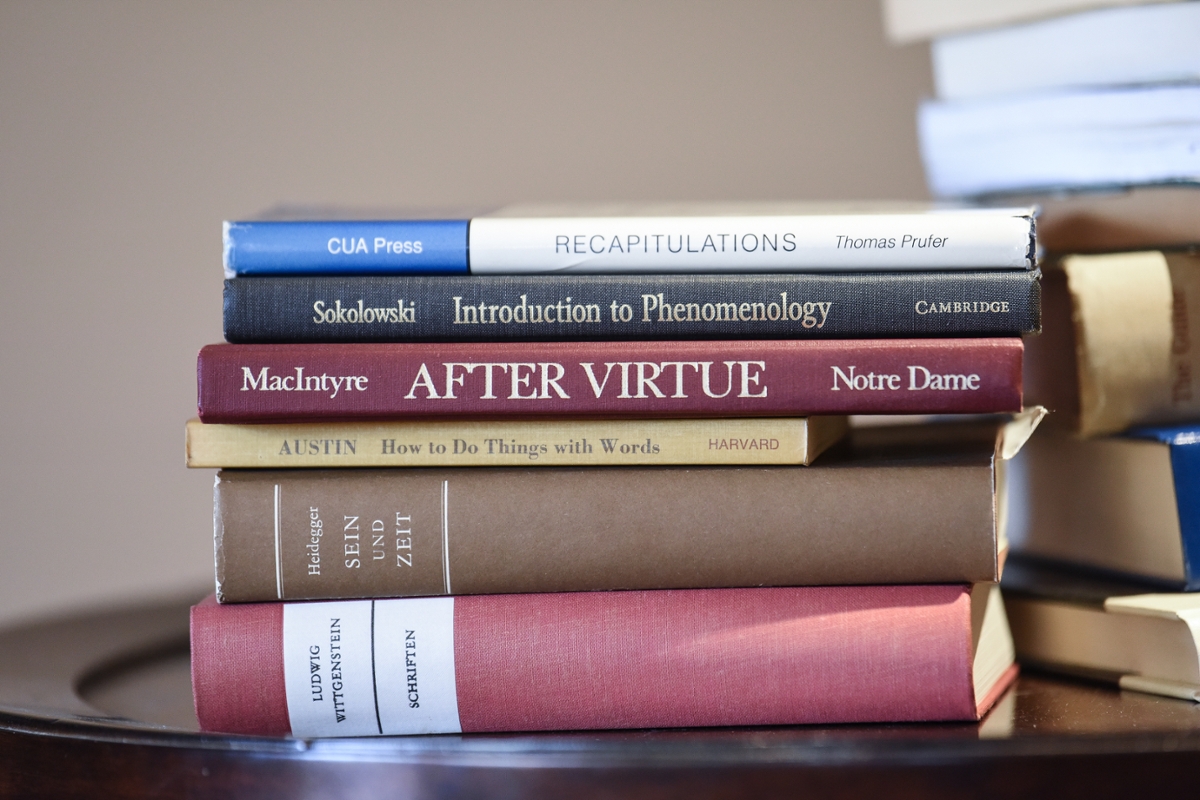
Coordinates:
(536, 471)
(1091, 110)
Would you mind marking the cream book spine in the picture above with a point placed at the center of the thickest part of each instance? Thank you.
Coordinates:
(766, 441)
(1134, 353)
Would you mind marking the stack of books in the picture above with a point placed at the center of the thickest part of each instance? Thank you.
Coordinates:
(1103, 97)
(1095, 116)
(536, 472)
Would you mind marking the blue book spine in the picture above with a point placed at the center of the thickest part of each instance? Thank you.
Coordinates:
(1185, 465)
(421, 247)
(1184, 442)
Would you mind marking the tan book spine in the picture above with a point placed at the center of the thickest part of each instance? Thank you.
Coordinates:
(1132, 332)
(513, 443)
(882, 508)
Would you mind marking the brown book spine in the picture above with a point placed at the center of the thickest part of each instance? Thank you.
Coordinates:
(889, 513)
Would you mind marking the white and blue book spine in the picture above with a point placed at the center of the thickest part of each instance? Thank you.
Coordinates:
(936, 239)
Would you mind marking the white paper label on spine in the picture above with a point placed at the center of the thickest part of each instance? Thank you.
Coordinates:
(414, 665)
(370, 667)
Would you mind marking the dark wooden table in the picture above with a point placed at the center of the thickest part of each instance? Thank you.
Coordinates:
(99, 705)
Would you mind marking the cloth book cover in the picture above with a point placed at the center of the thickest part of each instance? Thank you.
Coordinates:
(562, 442)
(399, 308)
(592, 660)
(903, 504)
(497, 380)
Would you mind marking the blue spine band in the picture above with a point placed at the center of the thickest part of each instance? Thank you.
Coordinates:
(423, 247)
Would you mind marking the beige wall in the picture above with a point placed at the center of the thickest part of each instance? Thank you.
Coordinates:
(128, 131)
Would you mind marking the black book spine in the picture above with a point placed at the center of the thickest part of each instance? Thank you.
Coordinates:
(640, 307)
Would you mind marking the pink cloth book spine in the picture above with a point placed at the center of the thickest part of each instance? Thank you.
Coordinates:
(308, 382)
(599, 660)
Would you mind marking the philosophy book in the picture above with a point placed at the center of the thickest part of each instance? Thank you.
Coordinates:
(1129, 634)
(397, 308)
(907, 504)
(1127, 505)
(501, 380)
(663, 239)
(533, 443)
(601, 660)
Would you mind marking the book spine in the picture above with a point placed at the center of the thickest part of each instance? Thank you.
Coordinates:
(534, 662)
(976, 239)
(1185, 469)
(581, 307)
(313, 382)
(283, 248)
(324, 534)
(1132, 368)
(515, 443)
(1118, 350)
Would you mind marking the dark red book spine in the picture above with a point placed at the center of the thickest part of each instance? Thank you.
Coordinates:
(275, 383)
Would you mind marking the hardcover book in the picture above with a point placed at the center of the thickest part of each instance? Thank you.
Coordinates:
(662, 240)
(317, 382)
(1116, 348)
(555, 307)
(1120, 632)
(920, 504)
(543, 662)
(568, 442)
(1123, 504)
